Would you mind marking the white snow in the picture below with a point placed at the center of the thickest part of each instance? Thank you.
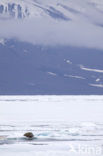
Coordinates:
(51, 21)
(74, 122)
(55, 149)
(51, 73)
(68, 61)
(28, 5)
(97, 80)
(90, 69)
(35, 8)
(97, 85)
(98, 4)
(51, 108)
(74, 76)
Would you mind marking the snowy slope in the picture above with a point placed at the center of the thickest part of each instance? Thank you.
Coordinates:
(34, 69)
(63, 9)
(31, 62)
(18, 8)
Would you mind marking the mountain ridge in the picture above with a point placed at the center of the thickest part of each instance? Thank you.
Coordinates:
(63, 9)
(27, 69)
(50, 47)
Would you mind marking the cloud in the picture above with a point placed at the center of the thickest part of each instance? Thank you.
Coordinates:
(46, 31)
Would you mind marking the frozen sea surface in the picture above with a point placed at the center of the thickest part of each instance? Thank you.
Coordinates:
(62, 125)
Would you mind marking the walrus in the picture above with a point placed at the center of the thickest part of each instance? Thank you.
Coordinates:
(29, 135)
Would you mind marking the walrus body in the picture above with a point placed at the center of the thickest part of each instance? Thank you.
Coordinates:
(29, 135)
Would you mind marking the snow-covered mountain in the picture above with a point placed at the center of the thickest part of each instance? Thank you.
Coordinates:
(18, 9)
(62, 9)
(25, 8)
(55, 48)
(32, 69)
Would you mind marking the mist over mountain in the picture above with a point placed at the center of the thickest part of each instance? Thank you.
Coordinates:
(51, 47)
(75, 23)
